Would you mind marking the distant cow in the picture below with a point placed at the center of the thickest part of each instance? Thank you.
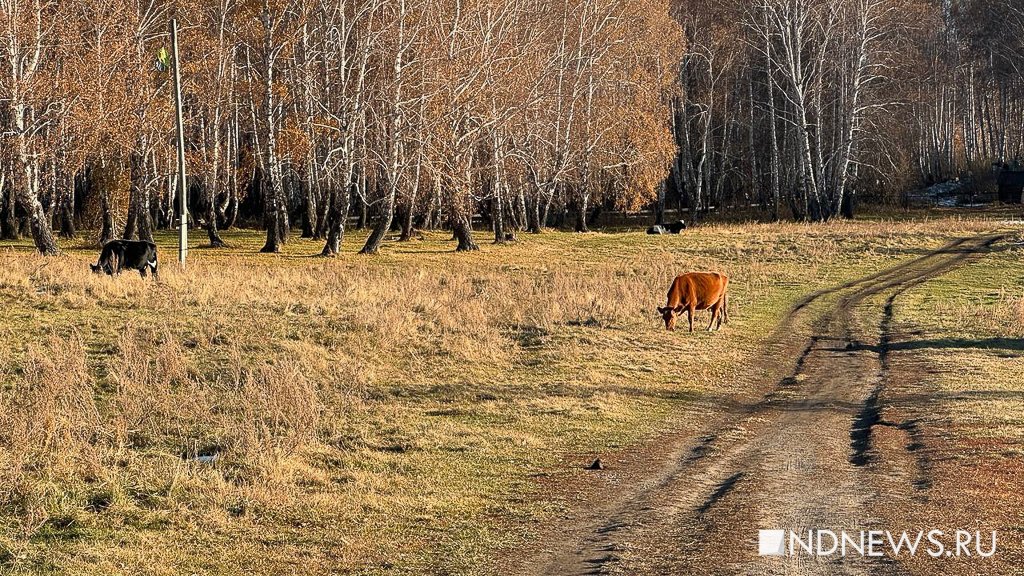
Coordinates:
(697, 291)
(676, 227)
(656, 229)
(118, 255)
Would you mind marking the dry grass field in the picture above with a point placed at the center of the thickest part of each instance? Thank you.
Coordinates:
(418, 411)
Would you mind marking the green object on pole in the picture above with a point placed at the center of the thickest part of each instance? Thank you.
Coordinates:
(163, 60)
(182, 188)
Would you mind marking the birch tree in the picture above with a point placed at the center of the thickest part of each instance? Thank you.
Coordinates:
(32, 108)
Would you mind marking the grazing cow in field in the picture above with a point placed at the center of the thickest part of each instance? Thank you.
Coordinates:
(118, 255)
(697, 291)
(656, 229)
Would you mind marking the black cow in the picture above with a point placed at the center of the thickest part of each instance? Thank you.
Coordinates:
(676, 227)
(118, 255)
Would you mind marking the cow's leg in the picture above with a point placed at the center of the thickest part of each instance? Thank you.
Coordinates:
(142, 270)
(723, 311)
(689, 316)
(714, 316)
(153, 265)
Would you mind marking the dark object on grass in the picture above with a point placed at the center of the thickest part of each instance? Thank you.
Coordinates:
(656, 230)
(597, 465)
(676, 227)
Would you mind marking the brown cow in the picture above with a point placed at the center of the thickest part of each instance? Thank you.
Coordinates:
(697, 291)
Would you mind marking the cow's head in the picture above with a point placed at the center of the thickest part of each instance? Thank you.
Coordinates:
(101, 267)
(669, 315)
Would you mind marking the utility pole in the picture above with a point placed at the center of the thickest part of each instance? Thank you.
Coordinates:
(182, 187)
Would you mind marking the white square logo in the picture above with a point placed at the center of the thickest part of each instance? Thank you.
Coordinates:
(771, 542)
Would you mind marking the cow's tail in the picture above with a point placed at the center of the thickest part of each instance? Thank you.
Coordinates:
(725, 301)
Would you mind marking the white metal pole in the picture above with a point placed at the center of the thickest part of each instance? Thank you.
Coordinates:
(182, 187)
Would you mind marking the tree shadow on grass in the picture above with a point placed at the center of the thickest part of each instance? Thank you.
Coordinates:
(1008, 344)
(992, 344)
(911, 251)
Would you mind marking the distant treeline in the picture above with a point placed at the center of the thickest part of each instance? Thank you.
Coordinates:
(310, 114)
(805, 106)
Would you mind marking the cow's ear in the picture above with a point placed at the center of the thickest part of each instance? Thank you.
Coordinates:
(662, 310)
(94, 267)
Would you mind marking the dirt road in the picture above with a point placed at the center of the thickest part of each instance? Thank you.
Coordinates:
(799, 456)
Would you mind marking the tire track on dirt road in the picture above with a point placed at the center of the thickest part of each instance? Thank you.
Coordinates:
(796, 458)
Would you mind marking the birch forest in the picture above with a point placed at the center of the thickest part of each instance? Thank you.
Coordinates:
(308, 117)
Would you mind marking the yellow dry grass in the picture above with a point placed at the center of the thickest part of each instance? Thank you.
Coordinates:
(275, 414)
